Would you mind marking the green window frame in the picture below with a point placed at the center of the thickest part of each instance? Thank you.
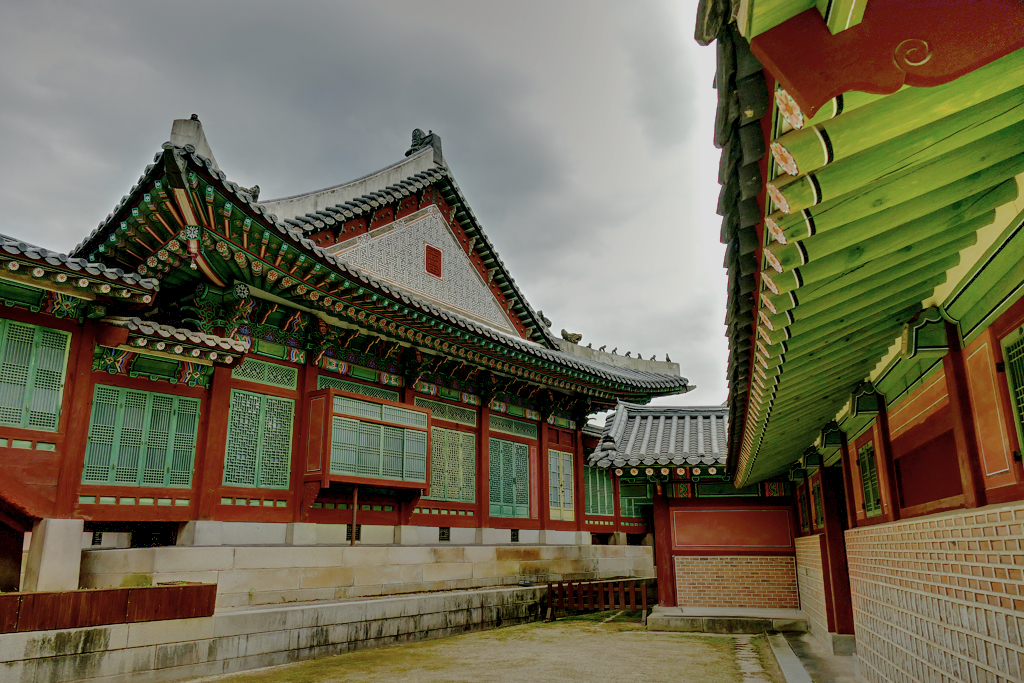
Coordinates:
(560, 485)
(328, 382)
(633, 494)
(509, 484)
(452, 466)
(869, 479)
(599, 498)
(1013, 357)
(33, 367)
(264, 372)
(259, 445)
(141, 438)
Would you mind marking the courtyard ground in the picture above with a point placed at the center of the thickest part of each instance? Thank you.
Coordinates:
(597, 648)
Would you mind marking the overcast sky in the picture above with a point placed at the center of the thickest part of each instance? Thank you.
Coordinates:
(580, 133)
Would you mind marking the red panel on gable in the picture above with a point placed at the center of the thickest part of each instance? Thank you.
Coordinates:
(750, 528)
(433, 261)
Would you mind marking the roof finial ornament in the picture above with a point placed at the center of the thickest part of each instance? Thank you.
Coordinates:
(253, 192)
(571, 337)
(420, 140)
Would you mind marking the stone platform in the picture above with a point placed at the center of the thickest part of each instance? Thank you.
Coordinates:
(725, 620)
(247, 576)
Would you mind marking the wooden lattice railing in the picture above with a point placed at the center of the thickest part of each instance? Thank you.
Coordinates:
(597, 596)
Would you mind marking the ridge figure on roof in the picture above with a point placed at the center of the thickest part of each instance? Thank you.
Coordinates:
(421, 141)
(194, 117)
(543, 318)
(603, 347)
(614, 350)
(667, 359)
(628, 354)
(253, 192)
(571, 337)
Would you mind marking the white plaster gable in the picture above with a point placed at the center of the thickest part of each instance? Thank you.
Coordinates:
(396, 252)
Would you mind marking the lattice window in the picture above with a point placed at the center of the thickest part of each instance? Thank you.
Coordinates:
(500, 423)
(140, 438)
(869, 479)
(509, 479)
(326, 382)
(597, 486)
(1013, 355)
(448, 412)
(33, 362)
(377, 451)
(259, 447)
(560, 485)
(263, 372)
(819, 508)
(452, 465)
(633, 494)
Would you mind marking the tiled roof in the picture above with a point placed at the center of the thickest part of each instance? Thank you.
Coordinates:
(654, 382)
(154, 329)
(17, 247)
(657, 435)
(368, 203)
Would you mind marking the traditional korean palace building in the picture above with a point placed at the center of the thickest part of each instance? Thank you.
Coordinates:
(871, 171)
(350, 365)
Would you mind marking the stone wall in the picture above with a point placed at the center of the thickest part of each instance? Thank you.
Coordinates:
(260, 575)
(940, 598)
(736, 581)
(811, 580)
(253, 638)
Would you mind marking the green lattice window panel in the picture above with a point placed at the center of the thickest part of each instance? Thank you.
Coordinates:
(869, 479)
(1013, 356)
(379, 411)
(633, 494)
(326, 382)
(259, 448)
(509, 484)
(506, 425)
(560, 488)
(140, 438)
(263, 372)
(598, 492)
(33, 363)
(366, 449)
(804, 509)
(452, 466)
(819, 508)
(448, 412)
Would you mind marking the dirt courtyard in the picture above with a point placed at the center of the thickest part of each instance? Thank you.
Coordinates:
(595, 648)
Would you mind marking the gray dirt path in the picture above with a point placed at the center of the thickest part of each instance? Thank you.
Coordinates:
(586, 648)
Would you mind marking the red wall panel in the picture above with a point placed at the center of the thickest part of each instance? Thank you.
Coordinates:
(736, 528)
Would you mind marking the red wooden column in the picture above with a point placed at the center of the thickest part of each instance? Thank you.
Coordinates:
(210, 456)
(883, 453)
(663, 551)
(307, 383)
(967, 453)
(79, 399)
(837, 589)
(543, 476)
(483, 484)
(848, 463)
(579, 492)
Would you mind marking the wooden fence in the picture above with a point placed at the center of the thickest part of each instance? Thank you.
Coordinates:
(46, 611)
(597, 596)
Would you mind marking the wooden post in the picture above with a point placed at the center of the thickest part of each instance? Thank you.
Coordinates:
(355, 509)
(883, 450)
(971, 477)
(837, 588)
(663, 551)
(551, 604)
(848, 463)
(483, 469)
(76, 425)
(643, 597)
(210, 462)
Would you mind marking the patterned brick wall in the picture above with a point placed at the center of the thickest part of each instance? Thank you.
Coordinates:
(940, 598)
(811, 579)
(736, 581)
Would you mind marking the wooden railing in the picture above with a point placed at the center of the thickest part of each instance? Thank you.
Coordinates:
(47, 611)
(597, 596)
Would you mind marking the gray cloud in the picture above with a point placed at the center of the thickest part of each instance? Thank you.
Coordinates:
(579, 131)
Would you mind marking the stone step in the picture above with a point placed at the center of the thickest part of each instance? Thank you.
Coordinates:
(721, 620)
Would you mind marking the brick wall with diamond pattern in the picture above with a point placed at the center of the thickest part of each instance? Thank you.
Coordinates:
(940, 598)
